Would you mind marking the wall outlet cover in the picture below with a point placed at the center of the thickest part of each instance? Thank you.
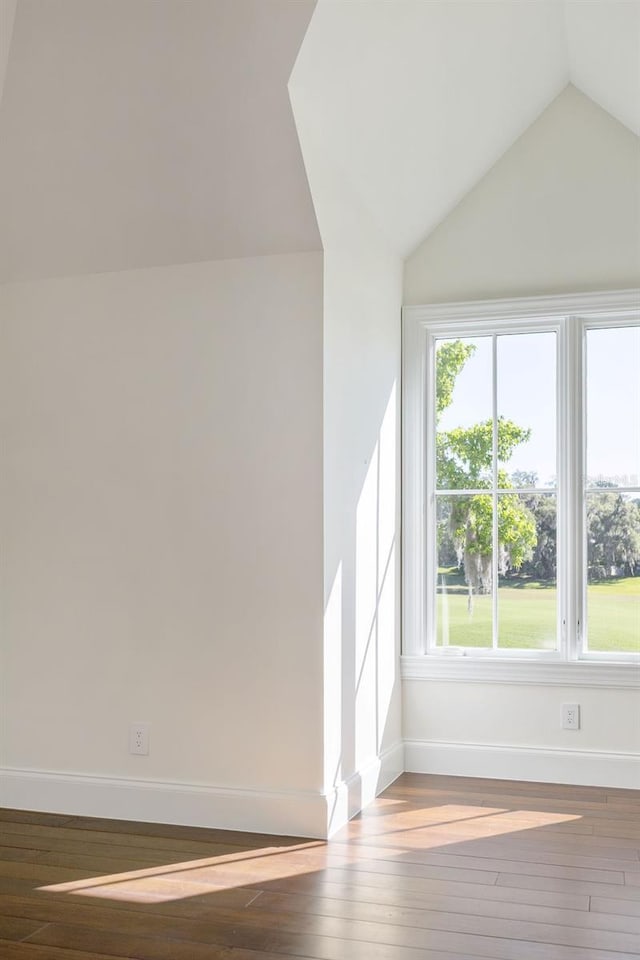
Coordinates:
(139, 738)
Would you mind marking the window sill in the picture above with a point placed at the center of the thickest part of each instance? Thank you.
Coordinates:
(466, 669)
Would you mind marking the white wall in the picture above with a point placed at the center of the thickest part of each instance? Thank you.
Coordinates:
(560, 212)
(513, 731)
(363, 750)
(7, 17)
(161, 530)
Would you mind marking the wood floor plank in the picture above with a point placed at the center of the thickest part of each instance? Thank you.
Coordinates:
(381, 943)
(141, 949)
(620, 830)
(252, 923)
(17, 853)
(106, 865)
(48, 909)
(91, 927)
(168, 844)
(536, 802)
(41, 872)
(147, 948)
(498, 822)
(17, 928)
(534, 847)
(22, 901)
(629, 908)
(31, 951)
(427, 784)
(438, 930)
(403, 912)
(376, 889)
(170, 831)
(620, 891)
(438, 868)
(536, 840)
(416, 911)
(539, 863)
(126, 851)
(34, 817)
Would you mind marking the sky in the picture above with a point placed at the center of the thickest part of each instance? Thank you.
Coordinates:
(526, 377)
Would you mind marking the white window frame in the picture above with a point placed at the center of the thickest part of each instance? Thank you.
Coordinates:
(568, 316)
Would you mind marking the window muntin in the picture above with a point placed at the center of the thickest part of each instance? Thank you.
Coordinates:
(564, 543)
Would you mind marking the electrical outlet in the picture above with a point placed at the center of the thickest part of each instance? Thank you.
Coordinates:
(139, 739)
(570, 716)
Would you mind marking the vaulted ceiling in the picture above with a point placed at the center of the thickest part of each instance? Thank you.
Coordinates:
(144, 133)
(419, 99)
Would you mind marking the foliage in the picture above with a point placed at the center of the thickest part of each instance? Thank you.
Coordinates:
(527, 535)
(613, 535)
(464, 460)
(471, 523)
(464, 455)
(543, 561)
(450, 360)
(524, 478)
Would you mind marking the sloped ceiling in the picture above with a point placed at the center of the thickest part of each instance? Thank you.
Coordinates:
(417, 100)
(138, 133)
(574, 226)
(145, 132)
(604, 56)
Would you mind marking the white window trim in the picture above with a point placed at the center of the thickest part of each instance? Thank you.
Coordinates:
(466, 669)
(419, 322)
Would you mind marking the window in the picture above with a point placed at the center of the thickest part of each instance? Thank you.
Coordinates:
(522, 480)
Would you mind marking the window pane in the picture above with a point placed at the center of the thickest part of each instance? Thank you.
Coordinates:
(526, 381)
(613, 406)
(527, 587)
(613, 572)
(464, 437)
(464, 611)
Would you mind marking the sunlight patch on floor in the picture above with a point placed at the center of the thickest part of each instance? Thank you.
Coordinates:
(367, 838)
(443, 826)
(177, 881)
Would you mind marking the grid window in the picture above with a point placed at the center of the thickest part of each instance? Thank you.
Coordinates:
(522, 523)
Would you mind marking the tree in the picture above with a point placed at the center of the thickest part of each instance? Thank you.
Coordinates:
(543, 562)
(464, 460)
(613, 535)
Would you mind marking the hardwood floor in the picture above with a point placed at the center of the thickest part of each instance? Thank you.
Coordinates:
(439, 868)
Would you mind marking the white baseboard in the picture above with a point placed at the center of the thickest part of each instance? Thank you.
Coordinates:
(297, 813)
(351, 795)
(300, 813)
(549, 765)
(294, 813)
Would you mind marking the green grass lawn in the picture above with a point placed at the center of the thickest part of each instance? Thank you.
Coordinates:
(527, 614)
